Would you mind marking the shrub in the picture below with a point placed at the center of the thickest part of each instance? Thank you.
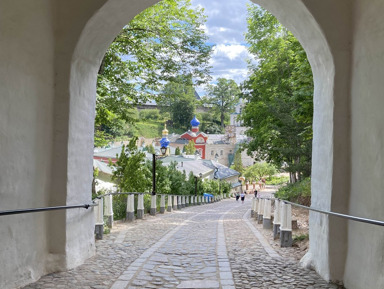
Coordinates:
(299, 192)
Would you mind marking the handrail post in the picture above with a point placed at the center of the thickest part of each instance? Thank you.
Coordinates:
(261, 210)
(276, 220)
(286, 226)
(140, 206)
(153, 205)
(253, 207)
(256, 208)
(178, 202)
(174, 202)
(130, 215)
(183, 201)
(109, 210)
(169, 208)
(187, 200)
(99, 224)
(267, 224)
(162, 204)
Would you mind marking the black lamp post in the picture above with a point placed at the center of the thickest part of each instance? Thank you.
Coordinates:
(200, 175)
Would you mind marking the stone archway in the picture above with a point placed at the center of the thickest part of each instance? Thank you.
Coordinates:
(331, 126)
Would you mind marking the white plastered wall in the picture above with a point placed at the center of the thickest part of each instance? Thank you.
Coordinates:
(365, 259)
(26, 89)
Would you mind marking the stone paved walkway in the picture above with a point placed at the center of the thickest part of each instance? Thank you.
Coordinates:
(210, 246)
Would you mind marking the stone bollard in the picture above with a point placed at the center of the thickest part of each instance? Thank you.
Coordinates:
(140, 206)
(183, 201)
(260, 211)
(194, 200)
(267, 223)
(256, 208)
(286, 226)
(178, 202)
(253, 208)
(99, 223)
(187, 201)
(169, 209)
(130, 216)
(162, 204)
(109, 210)
(175, 202)
(153, 205)
(276, 220)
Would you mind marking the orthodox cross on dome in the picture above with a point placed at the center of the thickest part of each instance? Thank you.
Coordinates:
(195, 124)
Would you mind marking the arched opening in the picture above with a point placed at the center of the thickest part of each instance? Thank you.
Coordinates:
(88, 52)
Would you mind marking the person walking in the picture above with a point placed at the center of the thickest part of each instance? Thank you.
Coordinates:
(255, 192)
(242, 196)
(237, 196)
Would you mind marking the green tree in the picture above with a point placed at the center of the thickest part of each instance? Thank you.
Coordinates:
(179, 100)
(223, 97)
(177, 151)
(259, 170)
(280, 96)
(150, 149)
(130, 172)
(237, 163)
(190, 148)
(160, 43)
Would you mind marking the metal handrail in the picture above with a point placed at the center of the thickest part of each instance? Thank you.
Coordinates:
(349, 217)
(135, 193)
(34, 210)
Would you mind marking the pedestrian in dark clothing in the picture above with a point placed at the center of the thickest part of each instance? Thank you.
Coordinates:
(237, 196)
(255, 192)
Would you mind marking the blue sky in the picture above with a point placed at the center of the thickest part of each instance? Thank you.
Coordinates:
(225, 26)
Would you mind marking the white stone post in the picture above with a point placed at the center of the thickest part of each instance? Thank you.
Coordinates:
(267, 223)
(253, 207)
(130, 216)
(99, 219)
(257, 200)
(286, 226)
(260, 211)
(193, 200)
(187, 201)
(175, 202)
(140, 206)
(162, 204)
(153, 205)
(183, 201)
(109, 210)
(169, 209)
(178, 202)
(276, 220)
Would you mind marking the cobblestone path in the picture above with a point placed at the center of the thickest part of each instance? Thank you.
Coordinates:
(210, 246)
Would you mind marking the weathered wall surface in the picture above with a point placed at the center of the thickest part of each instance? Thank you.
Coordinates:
(365, 261)
(27, 86)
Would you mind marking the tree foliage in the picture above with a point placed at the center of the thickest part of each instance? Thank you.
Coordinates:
(179, 100)
(223, 97)
(130, 172)
(259, 170)
(280, 96)
(160, 43)
(190, 148)
(237, 163)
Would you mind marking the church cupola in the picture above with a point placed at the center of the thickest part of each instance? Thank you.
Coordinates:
(195, 124)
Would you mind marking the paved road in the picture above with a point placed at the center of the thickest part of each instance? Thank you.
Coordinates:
(210, 246)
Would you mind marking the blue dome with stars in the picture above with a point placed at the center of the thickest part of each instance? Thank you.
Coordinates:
(195, 121)
(164, 142)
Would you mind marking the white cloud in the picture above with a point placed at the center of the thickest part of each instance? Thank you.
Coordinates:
(230, 51)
